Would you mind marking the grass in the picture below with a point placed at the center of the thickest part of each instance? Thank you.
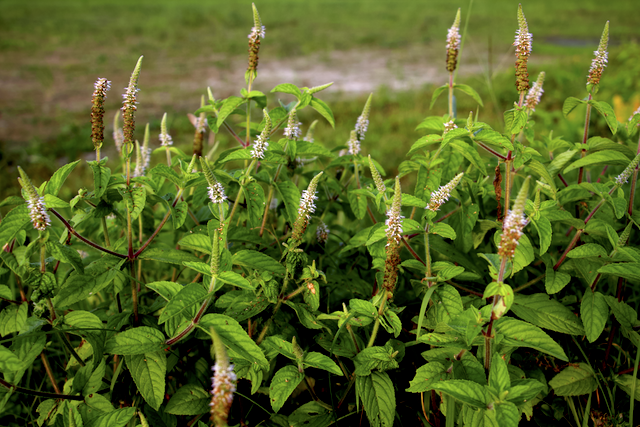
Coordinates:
(55, 51)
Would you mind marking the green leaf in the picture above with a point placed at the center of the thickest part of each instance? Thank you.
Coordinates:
(188, 296)
(13, 318)
(312, 149)
(200, 267)
(519, 121)
(424, 142)
(52, 202)
(378, 396)
(444, 230)
(116, 418)
(196, 242)
(179, 214)
(228, 106)
(491, 137)
(574, 381)
(27, 348)
(542, 172)
(358, 204)
(135, 341)
(437, 93)
(465, 391)
(311, 414)
(521, 334)
(257, 260)
(284, 382)
(470, 154)
(168, 173)
(547, 313)
(507, 414)
(81, 286)
(624, 313)
(13, 222)
(545, 232)
(571, 103)
(235, 279)
(64, 253)
(234, 337)
(324, 110)
(59, 177)
(605, 157)
(499, 374)
(607, 112)
(594, 313)
(469, 91)
(555, 281)
(190, 399)
(255, 203)
(291, 197)
(426, 375)
(289, 88)
(524, 391)
(9, 362)
(134, 198)
(171, 256)
(626, 270)
(626, 383)
(148, 372)
(101, 176)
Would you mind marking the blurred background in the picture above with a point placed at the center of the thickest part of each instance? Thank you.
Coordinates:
(51, 53)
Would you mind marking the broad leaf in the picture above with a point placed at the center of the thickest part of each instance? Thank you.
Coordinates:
(522, 334)
(257, 260)
(378, 396)
(574, 381)
(117, 418)
(190, 399)
(148, 372)
(135, 341)
(547, 313)
(594, 313)
(284, 382)
(465, 391)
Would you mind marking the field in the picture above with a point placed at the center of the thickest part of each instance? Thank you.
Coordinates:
(52, 52)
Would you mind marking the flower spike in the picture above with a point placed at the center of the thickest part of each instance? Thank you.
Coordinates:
(453, 43)
(441, 195)
(362, 124)
(216, 190)
(292, 131)
(165, 138)
(394, 219)
(600, 61)
(353, 144)
(37, 208)
(535, 93)
(129, 105)
(307, 207)
(624, 176)
(513, 224)
(376, 177)
(261, 143)
(101, 86)
(523, 51)
(223, 383)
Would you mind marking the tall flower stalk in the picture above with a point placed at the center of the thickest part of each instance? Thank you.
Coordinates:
(37, 207)
(223, 382)
(453, 49)
(534, 95)
(165, 139)
(101, 87)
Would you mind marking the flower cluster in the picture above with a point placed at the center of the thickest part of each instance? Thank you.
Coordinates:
(129, 105)
(257, 33)
(394, 219)
(449, 126)
(441, 195)
(377, 179)
(37, 208)
(165, 138)
(535, 93)
(624, 176)
(292, 131)
(600, 61)
(261, 143)
(322, 234)
(362, 124)
(523, 51)
(97, 111)
(216, 190)
(309, 136)
(634, 113)
(353, 144)
(307, 207)
(143, 158)
(453, 43)
(513, 224)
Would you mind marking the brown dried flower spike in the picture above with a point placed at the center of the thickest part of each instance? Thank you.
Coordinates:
(453, 43)
(101, 86)
(523, 51)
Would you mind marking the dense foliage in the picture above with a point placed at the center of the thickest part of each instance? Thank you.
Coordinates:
(314, 290)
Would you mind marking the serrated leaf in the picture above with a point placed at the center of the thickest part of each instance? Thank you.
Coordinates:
(148, 372)
(605, 157)
(313, 149)
(235, 337)
(378, 396)
(101, 176)
(196, 242)
(626, 383)
(190, 399)
(116, 418)
(168, 173)
(545, 232)
(444, 230)
(569, 104)
(81, 286)
(27, 348)
(284, 382)
(311, 414)
(358, 203)
(200, 267)
(135, 341)
(542, 172)
(594, 313)
(64, 253)
(507, 414)
(470, 154)
(555, 281)
(465, 391)
(547, 313)
(289, 88)
(255, 203)
(166, 290)
(574, 381)
(608, 113)
(437, 93)
(12, 318)
(291, 198)
(13, 222)
(9, 362)
(179, 214)
(134, 198)
(59, 177)
(257, 260)
(499, 374)
(324, 110)
(235, 279)
(469, 91)
(171, 256)
(187, 297)
(626, 270)
(228, 106)
(52, 202)
(491, 137)
(426, 375)
(424, 142)
(521, 334)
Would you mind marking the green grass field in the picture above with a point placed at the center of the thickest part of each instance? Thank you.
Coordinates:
(52, 52)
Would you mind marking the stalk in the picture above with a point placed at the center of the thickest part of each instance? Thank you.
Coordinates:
(584, 137)
(376, 325)
(451, 116)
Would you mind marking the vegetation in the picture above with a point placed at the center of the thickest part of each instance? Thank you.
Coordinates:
(488, 283)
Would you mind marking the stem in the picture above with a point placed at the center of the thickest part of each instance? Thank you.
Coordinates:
(39, 393)
(634, 181)
(634, 384)
(584, 136)
(43, 256)
(490, 150)
(105, 231)
(427, 252)
(451, 116)
(155, 233)
(69, 347)
(415, 255)
(134, 292)
(376, 325)
(47, 368)
(83, 239)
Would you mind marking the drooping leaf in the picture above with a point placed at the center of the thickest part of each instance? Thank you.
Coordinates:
(255, 203)
(469, 91)
(311, 414)
(12, 318)
(606, 157)
(101, 176)
(378, 396)
(284, 382)
(179, 214)
(594, 312)
(257, 260)
(291, 197)
(190, 399)
(547, 313)
(116, 418)
(13, 222)
(148, 372)
(59, 177)
(140, 340)
(574, 381)
(426, 375)
(569, 104)
(134, 198)
(522, 334)
(467, 392)
(324, 110)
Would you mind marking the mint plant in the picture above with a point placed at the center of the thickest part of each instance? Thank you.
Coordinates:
(269, 280)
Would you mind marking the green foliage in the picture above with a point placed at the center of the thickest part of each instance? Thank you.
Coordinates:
(389, 302)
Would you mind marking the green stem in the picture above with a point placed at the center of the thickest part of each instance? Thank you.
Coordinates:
(634, 383)
(376, 325)
(451, 116)
(157, 230)
(585, 136)
(39, 393)
(450, 417)
(105, 231)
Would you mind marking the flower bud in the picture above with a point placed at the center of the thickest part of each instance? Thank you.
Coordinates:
(453, 43)
(600, 61)
(97, 111)
(129, 105)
